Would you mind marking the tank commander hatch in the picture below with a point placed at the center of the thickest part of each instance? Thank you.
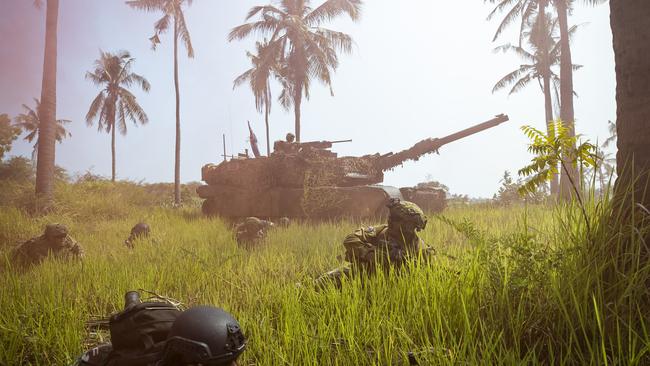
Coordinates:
(288, 146)
(55, 241)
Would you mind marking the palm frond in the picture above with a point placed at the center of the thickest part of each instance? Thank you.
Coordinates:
(96, 106)
(267, 9)
(331, 9)
(147, 5)
(260, 27)
(520, 84)
(184, 33)
(509, 79)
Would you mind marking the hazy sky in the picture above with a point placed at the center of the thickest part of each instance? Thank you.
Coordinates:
(420, 69)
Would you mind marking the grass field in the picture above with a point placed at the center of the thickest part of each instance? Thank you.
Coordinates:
(508, 286)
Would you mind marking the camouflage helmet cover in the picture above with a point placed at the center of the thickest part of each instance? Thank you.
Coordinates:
(405, 211)
(252, 222)
(55, 230)
(290, 137)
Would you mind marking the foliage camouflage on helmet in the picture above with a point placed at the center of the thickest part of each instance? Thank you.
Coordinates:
(405, 211)
(55, 230)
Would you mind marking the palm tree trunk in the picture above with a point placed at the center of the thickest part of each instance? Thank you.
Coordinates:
(548, 101)
(630, 21)
(297, 100)
(266, 121)
(113, 151)
(566, 97)
(548, 108)
(47, 111)
(177, 165)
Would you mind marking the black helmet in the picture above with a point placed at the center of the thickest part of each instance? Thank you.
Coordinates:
(204, 335)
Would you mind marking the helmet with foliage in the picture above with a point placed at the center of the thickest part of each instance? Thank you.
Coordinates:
(54, 231)
(204, 335)
(404, 212)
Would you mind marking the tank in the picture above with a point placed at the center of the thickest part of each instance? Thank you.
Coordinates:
(307, 180)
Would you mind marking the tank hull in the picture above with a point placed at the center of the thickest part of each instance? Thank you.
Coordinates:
(320, 202)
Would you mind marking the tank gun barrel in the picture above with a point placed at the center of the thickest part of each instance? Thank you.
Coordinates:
(390, 160)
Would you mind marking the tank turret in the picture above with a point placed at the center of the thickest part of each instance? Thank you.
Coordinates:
(307, 179)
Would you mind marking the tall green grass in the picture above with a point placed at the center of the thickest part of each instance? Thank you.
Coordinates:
(519, 285)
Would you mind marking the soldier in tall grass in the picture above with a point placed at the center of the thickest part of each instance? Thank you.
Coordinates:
(55, 241)
(391, 244)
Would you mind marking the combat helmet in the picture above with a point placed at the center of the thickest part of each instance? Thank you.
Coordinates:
(290, 137)
(405, 211)
(140, 230)
(55, 231)
(203, 335)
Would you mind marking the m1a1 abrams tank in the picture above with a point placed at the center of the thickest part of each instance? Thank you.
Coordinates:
(308, 180)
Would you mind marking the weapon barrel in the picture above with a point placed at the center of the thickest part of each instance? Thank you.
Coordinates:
(426, 146)
(474, 129)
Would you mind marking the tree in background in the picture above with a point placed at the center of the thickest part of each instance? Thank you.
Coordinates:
(30, 122)
(115, 103)
(8, 133)
(46, 138)
(525, 10)
(544, 54)
(630, 21)
(306, 50)
(172, 16)
(258, 77)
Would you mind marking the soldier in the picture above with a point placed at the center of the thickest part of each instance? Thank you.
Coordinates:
(387, 245)
(55, 241)
(286, 147)
(140, 230)
(284, 222)
(252, 231)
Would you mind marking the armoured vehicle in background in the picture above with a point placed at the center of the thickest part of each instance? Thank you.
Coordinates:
(307, 180)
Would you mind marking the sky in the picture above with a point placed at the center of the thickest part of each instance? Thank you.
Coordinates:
(419, 69)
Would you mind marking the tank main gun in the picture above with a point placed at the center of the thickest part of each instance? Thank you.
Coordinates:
(370, 169)
(426, 146)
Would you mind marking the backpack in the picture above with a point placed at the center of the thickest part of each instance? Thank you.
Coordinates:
(139, 333)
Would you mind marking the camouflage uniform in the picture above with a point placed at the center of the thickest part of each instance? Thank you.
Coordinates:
(286, 147)
(55, 241)
(140, 230)
(385, 245)
(252, 231)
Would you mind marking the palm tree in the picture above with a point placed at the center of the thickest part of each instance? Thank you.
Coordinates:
(525, 9)
(306, 50)
(30, 122)
(544, 54)
(115, 103)
(46, 138)
(172, 12)
(264, 65)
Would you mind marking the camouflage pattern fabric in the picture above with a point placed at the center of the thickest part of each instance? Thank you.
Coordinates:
(252, 231)
(390, 245)
(55, 242)
(367, 247)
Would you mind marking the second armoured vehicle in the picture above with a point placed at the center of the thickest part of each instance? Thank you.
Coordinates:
(309, 180)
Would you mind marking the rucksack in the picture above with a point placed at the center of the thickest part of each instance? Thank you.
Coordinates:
(138, 333)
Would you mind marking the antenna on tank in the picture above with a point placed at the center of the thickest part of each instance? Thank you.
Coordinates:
(224, 147)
